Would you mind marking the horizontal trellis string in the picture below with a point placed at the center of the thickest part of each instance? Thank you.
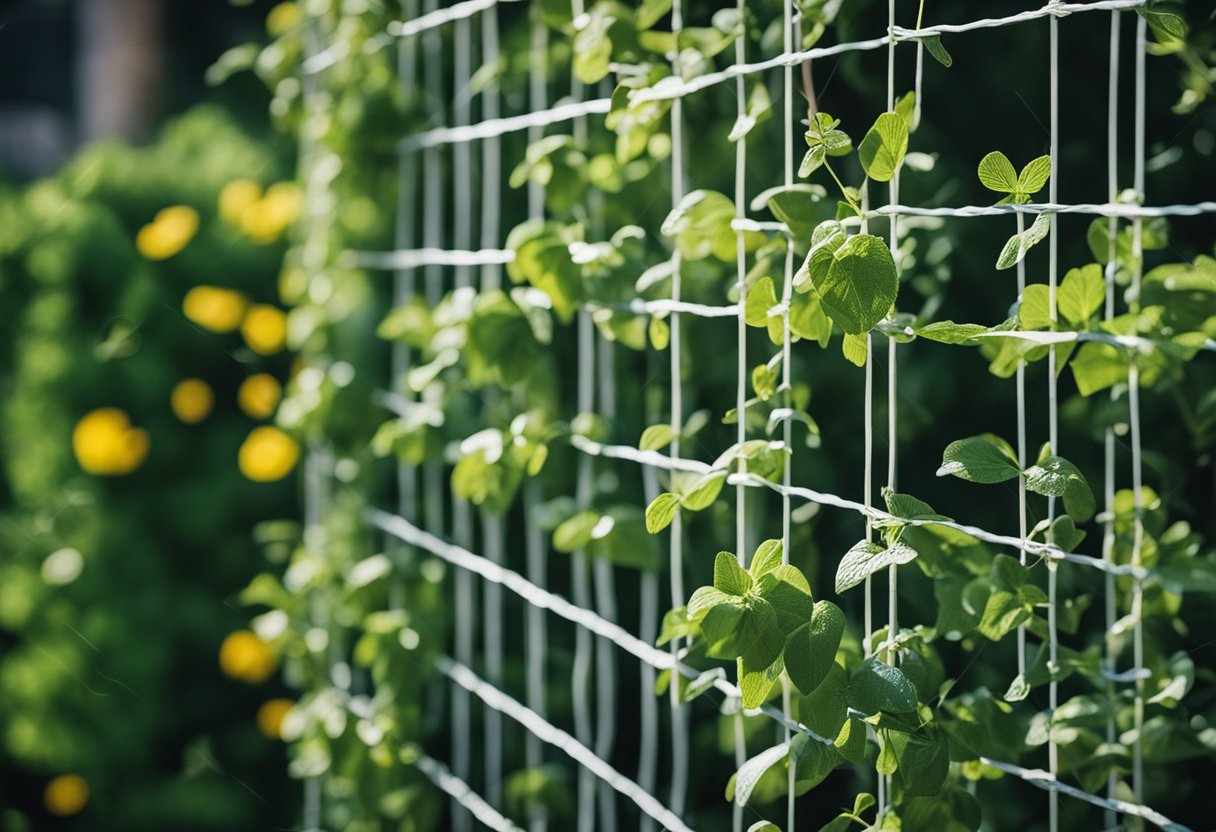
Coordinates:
(675, 89)
(459, 791)
(550, 733)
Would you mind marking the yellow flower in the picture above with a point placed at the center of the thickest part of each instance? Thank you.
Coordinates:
(267, 454)
(267, 219)
(283, 18)
(168, 232)
(66, 795)
(271, 715)
(259, 395)
(238, 195)
(213, 308)
(264, 329)
(246, 658)
(106, 444)
(192, 400)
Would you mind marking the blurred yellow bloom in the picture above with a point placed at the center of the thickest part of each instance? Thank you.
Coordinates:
(283, 18)
(106, 444)
(192, 400)
(259, 395)
(267, 454)
(246, 658)
(213, 308)
(271, 715)
(66, 795)
(238, 195)
(267, 219)
(265, 329)
(168, 232)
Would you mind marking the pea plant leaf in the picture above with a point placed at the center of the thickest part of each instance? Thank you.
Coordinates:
(823, 139)
(864, 559)
(1055, 476)
(759, 106)
(985, 459)
(1017, 245)
(1081, 294)
(655, 437)
(661, 511)
(859, 286)
(933, 45)
(883, 149)
(877, 688)
(810, 650)
(744, 782)
(996, 173)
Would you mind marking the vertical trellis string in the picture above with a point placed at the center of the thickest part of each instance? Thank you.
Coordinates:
(679, 716)
(538, 95)
(492, 523)
(892, 440)
(1133, 401)
(313, 260)
(787, 377)
(648, 754)
(1053, 417)
(583, 644)
(1108, 439)
(604, 574)
(741, 378)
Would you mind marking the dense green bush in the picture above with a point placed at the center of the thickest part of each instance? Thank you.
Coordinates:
(121, 562)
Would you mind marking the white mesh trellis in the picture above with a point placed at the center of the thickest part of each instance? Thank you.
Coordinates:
(419, 518)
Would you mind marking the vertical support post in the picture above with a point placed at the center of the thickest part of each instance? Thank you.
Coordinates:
(1053, 694)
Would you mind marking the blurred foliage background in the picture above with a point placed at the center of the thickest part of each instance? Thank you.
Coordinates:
(143, 345)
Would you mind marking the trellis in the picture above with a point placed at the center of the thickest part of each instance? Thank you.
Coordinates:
(418, 519)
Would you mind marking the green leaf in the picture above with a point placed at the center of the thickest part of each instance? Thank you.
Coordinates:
(766, 558)
(933, 45)
(659, 333)
(1081, 294)
(1098, 366)
(1057, 477)
(729, 576)
(787, 590)
(884, 146)
(810, 650)
(661, 511)
(802, 206)
(701, 226)
(923, 761)
(876, 687)
(676, 624)
(750, 772)
(704, 491)
(909, 507)
(1034, 309)
(813, 761)
(576, 532)
(1017, 245)
(592, 48)
(854, 349)
(948, 332)
(760, 299)
(984, 458)
(997, 174)
(655, 437)
(864, 559)
(756, 679)
(861, 285)
(808, 320)
(1034, 176)
(706, 598)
